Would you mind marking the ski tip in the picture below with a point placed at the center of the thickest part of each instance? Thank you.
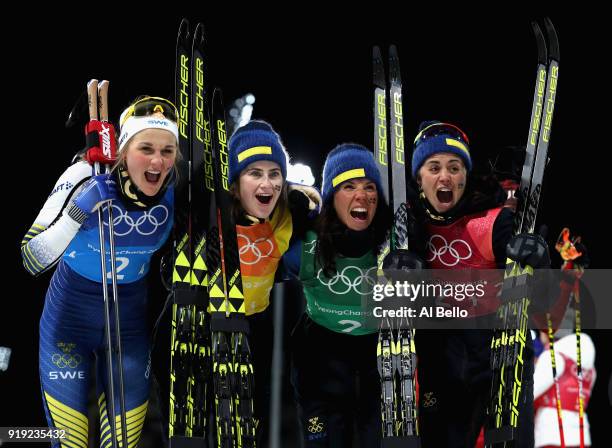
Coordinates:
(91, 83)
(379, 68)
(394, 66)
(376, 53)
(198, 35)
(183, 29)
(541, 43)
(553, 39)
(217, 94)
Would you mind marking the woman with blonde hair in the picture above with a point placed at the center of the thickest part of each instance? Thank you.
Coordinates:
(65, 235)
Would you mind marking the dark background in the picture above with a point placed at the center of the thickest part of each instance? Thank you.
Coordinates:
(310, 71)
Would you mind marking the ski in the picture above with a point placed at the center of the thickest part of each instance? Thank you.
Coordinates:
(396, 356)
(201, 190)
(396, 129)
(404, 353)
(380, 120)
(386, 339)
(210, 353)
(180, 338)
(232, 368)
(190, 337)
(386, 370)
(509, 341)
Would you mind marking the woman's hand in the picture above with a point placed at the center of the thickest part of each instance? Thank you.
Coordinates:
(95, 192)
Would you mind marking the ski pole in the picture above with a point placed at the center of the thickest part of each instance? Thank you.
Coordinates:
(579, 363)
(566, 247)
(97, 94)
(103, 108)
(551, 341)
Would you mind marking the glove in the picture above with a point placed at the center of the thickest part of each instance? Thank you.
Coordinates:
(583, 260)
(304, 200)
(574, 254)
(574, 269)
(95, 192)
(401, 265)
(529, 249)
(403, 260)
(409, 229)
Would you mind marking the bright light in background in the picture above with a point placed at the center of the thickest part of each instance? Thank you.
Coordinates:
(245, 115)
(300, 174)
(241, 111)
(5, 355)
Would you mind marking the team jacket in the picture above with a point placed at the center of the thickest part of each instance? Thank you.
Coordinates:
(261, 247)
(336, 302)
(468, 244)
(54, 235)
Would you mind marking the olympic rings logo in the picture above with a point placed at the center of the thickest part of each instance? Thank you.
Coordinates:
(258, 249)
(66, 360)
(145, 224)
(341, 283)
(458, 250)
(314, 425)
(429, 399)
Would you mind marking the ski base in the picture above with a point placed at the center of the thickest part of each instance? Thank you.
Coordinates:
(500, 435)
(187, 442)
(401, 442)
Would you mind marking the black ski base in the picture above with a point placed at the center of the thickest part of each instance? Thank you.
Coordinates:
(187, 442)
(500, 435)
(184, 296)
(401, 442)
(232, 324)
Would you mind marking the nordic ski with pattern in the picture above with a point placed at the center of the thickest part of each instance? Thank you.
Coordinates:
(395, 350)
(210, 354)
(232, 367)
(190, 335)
(509, 341)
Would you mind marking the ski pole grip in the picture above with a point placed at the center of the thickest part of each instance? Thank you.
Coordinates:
(92, 99)
(101, 142)
(99, 134)
(103, 100)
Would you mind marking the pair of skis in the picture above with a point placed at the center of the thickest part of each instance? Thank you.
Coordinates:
(508, 342)
(396, 356)
(210, 356)
(102, 154)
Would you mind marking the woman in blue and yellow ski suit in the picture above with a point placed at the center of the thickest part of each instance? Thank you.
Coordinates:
(65, 234)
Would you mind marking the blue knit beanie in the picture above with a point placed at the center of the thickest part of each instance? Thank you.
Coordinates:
(435, 137)
(348, 161)
(252, 142)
